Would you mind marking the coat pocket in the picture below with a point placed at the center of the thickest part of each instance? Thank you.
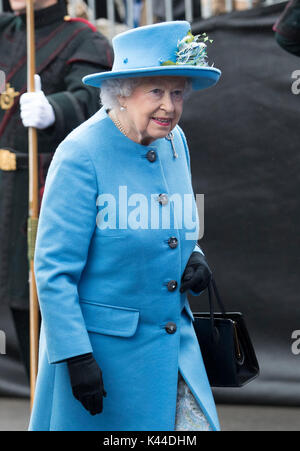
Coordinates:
(109, 319)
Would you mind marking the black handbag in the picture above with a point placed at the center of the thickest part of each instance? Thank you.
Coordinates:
(226, 347)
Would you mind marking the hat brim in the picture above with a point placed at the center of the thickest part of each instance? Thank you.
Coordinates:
(202, 77)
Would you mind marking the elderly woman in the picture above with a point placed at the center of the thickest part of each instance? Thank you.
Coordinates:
(117, 252)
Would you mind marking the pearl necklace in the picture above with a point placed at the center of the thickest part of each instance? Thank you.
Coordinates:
(118, 124)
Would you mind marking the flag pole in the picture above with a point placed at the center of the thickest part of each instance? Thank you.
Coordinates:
(33, 205)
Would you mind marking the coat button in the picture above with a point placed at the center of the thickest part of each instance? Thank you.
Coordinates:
(163, 199)
(172, 285)
(151, 155)
(171, 328)
(172, 241)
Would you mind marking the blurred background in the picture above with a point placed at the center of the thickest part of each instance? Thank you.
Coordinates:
(244, 139)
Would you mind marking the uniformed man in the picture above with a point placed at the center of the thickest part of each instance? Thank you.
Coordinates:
(287, 28)
(66, 50)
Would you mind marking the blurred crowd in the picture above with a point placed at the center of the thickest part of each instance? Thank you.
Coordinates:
(79, 8)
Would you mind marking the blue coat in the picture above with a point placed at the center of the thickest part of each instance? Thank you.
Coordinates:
(107, 290)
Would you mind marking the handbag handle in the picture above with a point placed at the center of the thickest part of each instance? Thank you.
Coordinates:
(217, 295)
(212, 287)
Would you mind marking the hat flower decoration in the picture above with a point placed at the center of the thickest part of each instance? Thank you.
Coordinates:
(161, 49)
(191, 51)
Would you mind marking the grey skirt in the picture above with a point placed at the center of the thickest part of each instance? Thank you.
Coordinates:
(189, 416)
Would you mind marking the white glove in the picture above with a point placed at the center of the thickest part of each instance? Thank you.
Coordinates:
(36, 111)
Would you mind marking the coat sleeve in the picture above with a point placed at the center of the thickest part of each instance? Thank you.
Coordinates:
(197, 248)
(66, 224)
(77, 102)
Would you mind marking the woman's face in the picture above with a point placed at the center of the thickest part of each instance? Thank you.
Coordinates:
(155, 107)
(19, 6)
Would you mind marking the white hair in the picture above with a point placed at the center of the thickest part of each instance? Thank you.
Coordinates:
(124, 87)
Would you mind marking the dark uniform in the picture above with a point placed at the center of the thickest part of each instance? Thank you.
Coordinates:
(66, 50)
(287, 28)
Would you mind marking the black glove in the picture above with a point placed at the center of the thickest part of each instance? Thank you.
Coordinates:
(86, 381)
(197, 273)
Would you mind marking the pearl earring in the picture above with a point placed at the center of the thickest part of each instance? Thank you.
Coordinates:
(122, 108)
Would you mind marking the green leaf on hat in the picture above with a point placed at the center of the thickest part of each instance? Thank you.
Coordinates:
(168, 63)
(190, 37)
(191, 50)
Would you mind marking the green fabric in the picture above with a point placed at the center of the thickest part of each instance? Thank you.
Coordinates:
(288, 45)
(287, 28)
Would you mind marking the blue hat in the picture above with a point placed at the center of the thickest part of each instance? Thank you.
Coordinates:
(162, 49)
